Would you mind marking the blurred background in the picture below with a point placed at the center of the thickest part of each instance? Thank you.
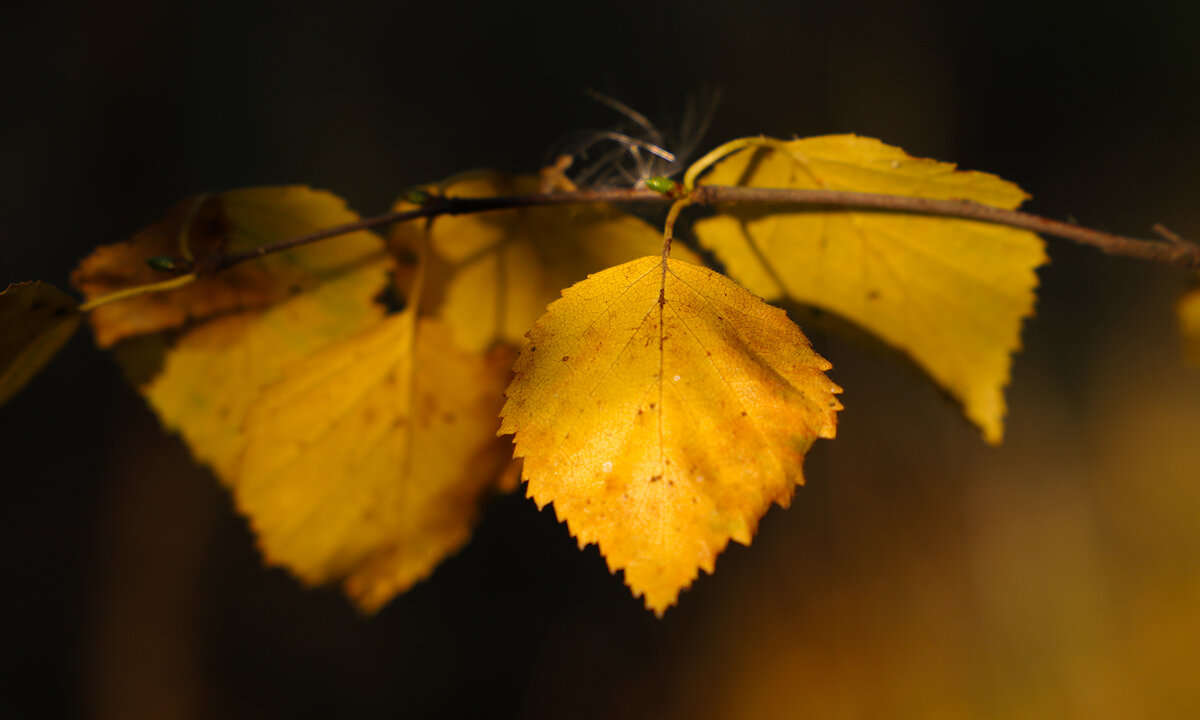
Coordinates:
(918, 574)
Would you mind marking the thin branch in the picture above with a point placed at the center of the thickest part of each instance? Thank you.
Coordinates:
(1174, 251)
(1177, 251)
(432, 208)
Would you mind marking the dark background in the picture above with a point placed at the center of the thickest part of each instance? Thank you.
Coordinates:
(919, 573)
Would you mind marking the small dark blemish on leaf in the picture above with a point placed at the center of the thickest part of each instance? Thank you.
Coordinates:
(873, 295)
(652, 406)
(656, 478)
(744, 413)
(389, 298)
(405, 256)
(566, 358)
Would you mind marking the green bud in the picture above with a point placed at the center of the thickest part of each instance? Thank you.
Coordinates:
(664, 185)
(162, 262)
(417, 196)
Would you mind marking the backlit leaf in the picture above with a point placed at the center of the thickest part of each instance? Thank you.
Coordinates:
(217, 224)
(368, 460)
(950, 293)
(358, 444)
(36, 320)
(500, 269)
(662, 408)
(213, 373)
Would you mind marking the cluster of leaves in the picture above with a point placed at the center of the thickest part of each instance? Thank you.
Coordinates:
(660, 406)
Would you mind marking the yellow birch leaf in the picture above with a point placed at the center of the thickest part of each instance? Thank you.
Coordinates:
(220, 224)
(662, 408)
(313, 428)
(499, 270)
(368, 460)
(949, 293)
(213, 373)
(1189, 325)
(357, 444)
(36, 320)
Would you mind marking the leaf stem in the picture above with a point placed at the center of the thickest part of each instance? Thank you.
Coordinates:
(669, 226)
(722, 151)
(171, 284)
(185, 247)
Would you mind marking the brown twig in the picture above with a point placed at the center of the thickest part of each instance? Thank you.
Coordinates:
(1174, 251)
(432, 208)
(1177, 251)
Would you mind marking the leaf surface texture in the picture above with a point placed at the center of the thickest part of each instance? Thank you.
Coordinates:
(499, 270)
(662, 408)
(949, 293)
(357, 443)
(216, 224)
